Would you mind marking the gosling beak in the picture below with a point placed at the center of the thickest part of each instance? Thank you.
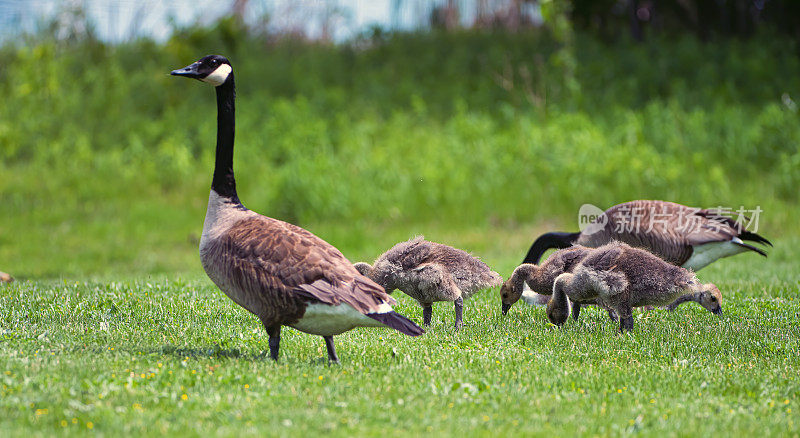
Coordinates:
(505, 308)
(717, 311)
(190, 71)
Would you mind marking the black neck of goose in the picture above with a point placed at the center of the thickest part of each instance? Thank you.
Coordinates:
(224, 183)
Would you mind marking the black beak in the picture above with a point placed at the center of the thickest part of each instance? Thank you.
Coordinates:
(190, 71)
(717, 311)
(505, 308)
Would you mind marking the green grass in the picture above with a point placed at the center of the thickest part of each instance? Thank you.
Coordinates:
(119, 356)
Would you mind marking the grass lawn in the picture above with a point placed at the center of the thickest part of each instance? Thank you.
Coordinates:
(169, 354)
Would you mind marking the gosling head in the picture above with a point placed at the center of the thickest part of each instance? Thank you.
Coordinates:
(508, 296)
(511, 290)
(711, 298)
(212, 69)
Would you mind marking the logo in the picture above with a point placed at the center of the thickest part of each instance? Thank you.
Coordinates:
(591, 219)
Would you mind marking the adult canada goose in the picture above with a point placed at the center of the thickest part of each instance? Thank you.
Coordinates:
(620, 277)
(280, 272)
(681, 235)
(430, 272)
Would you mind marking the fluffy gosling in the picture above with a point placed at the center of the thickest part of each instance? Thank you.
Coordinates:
(620, 277)
(431, 272)
(540, 278)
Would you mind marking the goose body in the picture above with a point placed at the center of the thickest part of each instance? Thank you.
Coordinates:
(280, 272)
(430, 272)
(684, 236)
(240, 250)
(620, 277)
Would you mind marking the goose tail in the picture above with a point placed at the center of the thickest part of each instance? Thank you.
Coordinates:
(750, 247)
(398, 322)
(753, 237)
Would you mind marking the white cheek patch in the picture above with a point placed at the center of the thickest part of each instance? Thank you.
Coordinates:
(218, 76)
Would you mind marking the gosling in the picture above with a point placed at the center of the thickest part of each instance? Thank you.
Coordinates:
(620, 277)
(540, 278)
(431, 272)
(5, 278)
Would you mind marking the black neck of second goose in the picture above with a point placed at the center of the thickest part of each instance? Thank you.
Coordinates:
(224, 183)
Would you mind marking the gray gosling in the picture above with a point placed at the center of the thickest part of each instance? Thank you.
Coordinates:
(620, 277)
(431, 272)
(540, 278)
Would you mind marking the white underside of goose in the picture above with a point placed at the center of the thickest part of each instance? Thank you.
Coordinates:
(327, 320)
(703, 255)
(533, 298)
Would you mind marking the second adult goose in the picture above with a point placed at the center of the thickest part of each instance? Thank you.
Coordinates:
(681, 235)
(280, 272)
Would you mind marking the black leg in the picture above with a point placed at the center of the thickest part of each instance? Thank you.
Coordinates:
(427, 313)
(625, 318)
(459, 303)
(332, 357)
(576, 310)
(611, 315)
(274, 333)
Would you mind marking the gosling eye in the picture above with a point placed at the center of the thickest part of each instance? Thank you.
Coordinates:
(713, 299)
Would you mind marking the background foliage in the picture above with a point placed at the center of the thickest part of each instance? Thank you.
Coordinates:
(106, 159)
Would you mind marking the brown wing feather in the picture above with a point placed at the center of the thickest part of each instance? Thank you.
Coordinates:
(284, 265)
(645, 224)
(666, 229)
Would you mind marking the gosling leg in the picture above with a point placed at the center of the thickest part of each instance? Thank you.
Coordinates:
(576, 310)
(625, 318)
(459, 305)
(332, 357)
(427, 313)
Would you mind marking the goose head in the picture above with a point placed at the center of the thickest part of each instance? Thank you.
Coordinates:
(212, 69)
(711, 298)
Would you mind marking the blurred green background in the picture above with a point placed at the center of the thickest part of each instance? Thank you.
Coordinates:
(480, 135)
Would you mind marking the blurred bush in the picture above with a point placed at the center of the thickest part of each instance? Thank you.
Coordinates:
(467, 126)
